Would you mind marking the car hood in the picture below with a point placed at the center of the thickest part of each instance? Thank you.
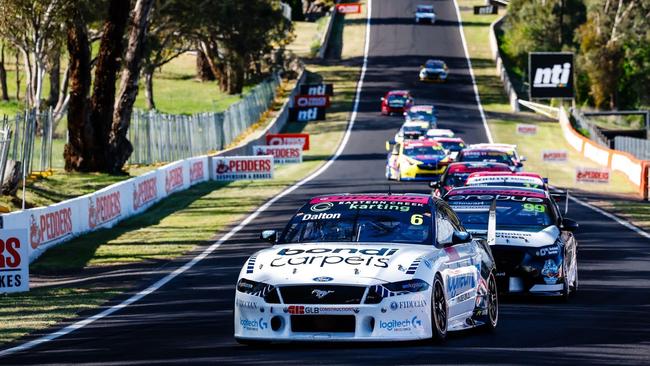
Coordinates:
(528, 239)
(434, 71)
(334, 263)
(428, 159)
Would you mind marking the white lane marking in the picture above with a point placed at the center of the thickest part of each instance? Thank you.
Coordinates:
(82, 323)
(621, 221)
(471, 74)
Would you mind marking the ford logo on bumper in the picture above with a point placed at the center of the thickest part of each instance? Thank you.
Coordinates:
(323, 279)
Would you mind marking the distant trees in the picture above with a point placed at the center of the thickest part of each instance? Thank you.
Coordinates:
(611, 41)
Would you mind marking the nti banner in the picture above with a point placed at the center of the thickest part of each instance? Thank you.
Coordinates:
(289, 139)
(282, 154)
(227, 168)
(14, 261)
(306, 114)
(550, 75)
(317, 89)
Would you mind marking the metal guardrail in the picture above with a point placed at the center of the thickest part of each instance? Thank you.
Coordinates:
(594, 133)
(509, 88)
(640, 148)
(158, 137)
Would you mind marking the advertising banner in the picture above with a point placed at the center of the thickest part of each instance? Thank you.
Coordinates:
(486, 9)
(14, 260)
(289, 139)
(172, 178)
(145, 192)
(550, 75)
(199, 170)
(555, 156)
(306, 101)
(282, 154)
(229, 168)
(317, 89)
(592, 175)
(527, 130)
(306, 114)
(54, 224)
(351, 8)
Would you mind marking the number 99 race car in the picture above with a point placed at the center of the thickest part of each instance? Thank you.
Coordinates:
(367, 267)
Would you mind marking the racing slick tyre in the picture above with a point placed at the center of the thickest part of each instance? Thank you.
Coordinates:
(492, 318)
(438, 311)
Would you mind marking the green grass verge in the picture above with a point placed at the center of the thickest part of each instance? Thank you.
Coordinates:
(503, 123)
(173, 226)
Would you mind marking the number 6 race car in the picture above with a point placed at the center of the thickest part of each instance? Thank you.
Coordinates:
(368, 267)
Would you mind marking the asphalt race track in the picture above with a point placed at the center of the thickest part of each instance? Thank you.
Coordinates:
(189, 320)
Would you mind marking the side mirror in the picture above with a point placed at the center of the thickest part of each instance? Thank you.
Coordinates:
(569, 225)
(269, 235)
(390, 144)
(460, 237)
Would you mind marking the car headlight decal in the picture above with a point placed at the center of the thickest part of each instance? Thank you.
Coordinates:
(379, 292)
(263, 290)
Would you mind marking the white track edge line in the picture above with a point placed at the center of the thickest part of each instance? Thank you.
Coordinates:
(619, 220)
(84, 322)
(488, 133)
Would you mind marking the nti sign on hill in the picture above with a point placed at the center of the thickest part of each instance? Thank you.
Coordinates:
(550, 75)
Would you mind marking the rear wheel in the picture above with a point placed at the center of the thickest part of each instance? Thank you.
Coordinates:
(438, 311)
(492, 304)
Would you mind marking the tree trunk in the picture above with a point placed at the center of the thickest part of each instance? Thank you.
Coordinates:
(120, 147)
(203, 71)
(108, 64)
(3, 75)
(148, 88)
(235, 75)
(55, 77)
(77, 152)
(17, 75)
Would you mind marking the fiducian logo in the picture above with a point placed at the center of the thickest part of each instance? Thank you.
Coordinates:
(552, 77)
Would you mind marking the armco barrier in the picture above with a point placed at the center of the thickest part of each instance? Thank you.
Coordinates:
(325, 39)
(501, 70)
(636, 170)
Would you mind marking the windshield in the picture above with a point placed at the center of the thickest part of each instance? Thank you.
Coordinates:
(488, 156)
(420, 115)
(452, 146)
(506, 183)
(455, 179)
(423, 9)
(533, 214)
(423, 151)
(365, 219)
(435, 65)
(396, 99)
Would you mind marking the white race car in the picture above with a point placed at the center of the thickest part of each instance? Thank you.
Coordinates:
(425, 13)
(367, 267)
(439, 132)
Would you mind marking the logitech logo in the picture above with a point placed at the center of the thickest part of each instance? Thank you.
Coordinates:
(253, 324)
(400, 325)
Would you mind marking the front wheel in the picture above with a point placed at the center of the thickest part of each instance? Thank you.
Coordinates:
(492, 304)
(438, 311)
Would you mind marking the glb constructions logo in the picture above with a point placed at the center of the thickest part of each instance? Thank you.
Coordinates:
(550, 74)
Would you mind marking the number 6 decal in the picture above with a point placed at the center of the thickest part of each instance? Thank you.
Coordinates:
(417, 219)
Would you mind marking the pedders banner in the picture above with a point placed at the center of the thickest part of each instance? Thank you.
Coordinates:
(14, 261)
(282, 154)
(229, 168)
(350, 8)
(289, 139)
(592, 175)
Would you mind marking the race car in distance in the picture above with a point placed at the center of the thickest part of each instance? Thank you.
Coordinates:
(439, 132)
(396, 101)
(533, 245)
(452, 145)
(434, 71)
(366, 267)
(423, 113)
(420, 160)
(411, 130)
(509, 148)
(425, 13)
(457, 173)
(507, 179)
(494, 155)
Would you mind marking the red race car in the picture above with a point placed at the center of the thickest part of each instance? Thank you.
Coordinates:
(396, 101)
(457, 173)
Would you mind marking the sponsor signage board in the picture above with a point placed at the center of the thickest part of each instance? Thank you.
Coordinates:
(486, 9)
(555, 155)
(14, 260)
(282, 154)
(288, 139)
(592, 175)
(306, 101)
(527, 130)
(550, 75)
(306, 114)
(317, 89)
(229, 168)
(351, 8)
